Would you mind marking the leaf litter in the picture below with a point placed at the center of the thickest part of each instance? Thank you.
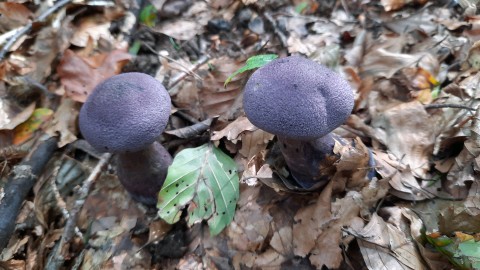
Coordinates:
(414, 68)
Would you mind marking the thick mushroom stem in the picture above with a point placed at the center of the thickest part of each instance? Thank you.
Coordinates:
(310, 162)
(142, 173)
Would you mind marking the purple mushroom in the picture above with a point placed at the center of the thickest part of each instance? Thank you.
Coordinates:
(301, 102)
(125, 114)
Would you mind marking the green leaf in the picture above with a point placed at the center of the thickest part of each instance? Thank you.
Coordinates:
(252, 63)
(135, 47)
(206, 178)
(471, 250)
(301, 7)
(148, 15)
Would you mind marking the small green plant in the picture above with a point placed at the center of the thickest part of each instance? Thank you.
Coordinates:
(148, 15)
(205, 178)
(252, 63)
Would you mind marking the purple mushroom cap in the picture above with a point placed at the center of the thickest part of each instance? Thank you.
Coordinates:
(297, 98)
(126, 112)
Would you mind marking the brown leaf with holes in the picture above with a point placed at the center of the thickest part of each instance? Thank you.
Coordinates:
(80, 75)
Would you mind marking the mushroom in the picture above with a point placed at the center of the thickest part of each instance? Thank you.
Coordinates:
(125, 114)
(301, 102)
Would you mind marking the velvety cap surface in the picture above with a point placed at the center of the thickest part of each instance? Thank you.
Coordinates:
(126, 112)
(297, 98)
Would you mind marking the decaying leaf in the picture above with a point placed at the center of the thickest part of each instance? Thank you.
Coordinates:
(80, 75)
(410, 134)
(12, 115)
(385, 246)
(64, 122)
(25, 131)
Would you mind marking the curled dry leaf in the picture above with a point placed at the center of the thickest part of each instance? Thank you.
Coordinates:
(64, 122)
(404, 185)
(353, 165)
(13, 15)
(467, 162)
(12, 115)
(385, 246)
(251, 224)
(91, 28)
(410, 134)
(80, 75)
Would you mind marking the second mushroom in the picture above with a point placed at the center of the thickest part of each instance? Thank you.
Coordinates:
(301, 102)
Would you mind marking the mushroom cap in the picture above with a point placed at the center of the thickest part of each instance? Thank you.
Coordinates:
(297, 98)
(126, 112)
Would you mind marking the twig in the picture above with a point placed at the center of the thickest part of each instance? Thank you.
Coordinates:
(19, 184)
(57, 257)
(180, 76)
(27, 28)
(277, 31)
(440, 106)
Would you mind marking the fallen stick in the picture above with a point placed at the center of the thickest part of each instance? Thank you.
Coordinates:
(19, 184)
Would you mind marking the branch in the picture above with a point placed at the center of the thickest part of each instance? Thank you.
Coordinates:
(27, 28)
(62, 249)
(19, 184)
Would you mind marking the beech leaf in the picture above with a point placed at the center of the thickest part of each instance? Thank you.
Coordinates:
(206, 178)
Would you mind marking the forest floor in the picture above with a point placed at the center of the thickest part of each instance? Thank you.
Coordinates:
(413, 65)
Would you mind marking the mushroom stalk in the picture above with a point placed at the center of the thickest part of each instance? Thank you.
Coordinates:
(143, 172)
(310, 162)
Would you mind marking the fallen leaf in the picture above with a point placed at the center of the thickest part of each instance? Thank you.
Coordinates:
(80, 75)
(26, 130)
(12, 115)
(64, 122)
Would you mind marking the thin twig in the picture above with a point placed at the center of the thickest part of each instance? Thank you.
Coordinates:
(57, 257)
(185, 69)
(27, 28)
(180, 76)
(281, 36)
(19, 184)
(440, 106)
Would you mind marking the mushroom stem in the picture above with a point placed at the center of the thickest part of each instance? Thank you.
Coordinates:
(142, 173)
(310, 162)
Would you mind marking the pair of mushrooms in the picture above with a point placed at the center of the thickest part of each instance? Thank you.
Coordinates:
(294, 98)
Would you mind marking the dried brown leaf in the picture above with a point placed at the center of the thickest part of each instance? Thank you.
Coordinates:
(190, 24)
(251, 224)
(64, 122)
(270, 259)
(282, 241)
(233, 130)
(94, 28)
(385, 246)
(466, 164)
(80, 75)
(404, 185)
(13, 15)
(12, 115)
(309, 222)
(214, 97)
(410, 134)
(209, 97)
